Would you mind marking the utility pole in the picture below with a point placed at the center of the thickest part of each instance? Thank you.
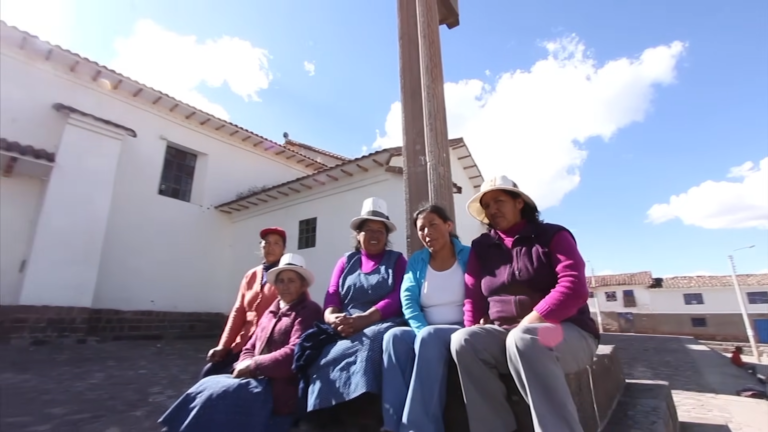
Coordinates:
(433, 96)
(415, 178)
(597, 299)
(426, 153)
(743, 307)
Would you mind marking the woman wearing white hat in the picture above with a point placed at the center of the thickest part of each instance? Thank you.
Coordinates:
(526, 313)
(261, 393)
(362, 304)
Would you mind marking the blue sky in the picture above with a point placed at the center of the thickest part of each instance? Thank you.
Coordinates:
(641, 126)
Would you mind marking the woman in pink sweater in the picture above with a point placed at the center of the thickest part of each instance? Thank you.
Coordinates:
(526, 314)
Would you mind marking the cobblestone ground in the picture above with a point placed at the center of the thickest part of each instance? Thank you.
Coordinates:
(703, 382)
(126, 386)
(111, 387)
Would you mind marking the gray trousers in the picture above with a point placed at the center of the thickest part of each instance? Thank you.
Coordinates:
(537, 356)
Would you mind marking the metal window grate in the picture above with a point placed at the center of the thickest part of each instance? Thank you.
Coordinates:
(178, 174)
(307, 233)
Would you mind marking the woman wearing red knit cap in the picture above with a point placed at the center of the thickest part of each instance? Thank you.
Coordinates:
(253, 299)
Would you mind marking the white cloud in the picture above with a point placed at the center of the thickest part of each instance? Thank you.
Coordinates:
(52, 26)
(721, 204)
(605, 273)
(530, 124)
(309, 67)
(180, 64)
(763, 271)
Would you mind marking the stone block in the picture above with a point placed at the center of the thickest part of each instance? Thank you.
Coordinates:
(644, 406)
(606, 384)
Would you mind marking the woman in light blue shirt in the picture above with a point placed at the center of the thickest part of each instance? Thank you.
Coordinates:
(416, 357)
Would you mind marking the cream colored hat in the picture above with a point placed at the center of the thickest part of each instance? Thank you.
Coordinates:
(373, 209)
(494, 183)
(291, 261)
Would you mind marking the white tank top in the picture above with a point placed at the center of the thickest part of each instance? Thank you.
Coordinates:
(442, 296)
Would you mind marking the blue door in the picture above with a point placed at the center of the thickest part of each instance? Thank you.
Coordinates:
(761, 328)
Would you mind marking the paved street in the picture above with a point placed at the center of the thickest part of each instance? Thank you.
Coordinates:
(126, 386)
(703, 382)
(114, 387)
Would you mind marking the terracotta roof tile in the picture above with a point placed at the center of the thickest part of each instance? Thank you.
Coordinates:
(683, 282)
(317, 149)
(296, 181)
(60, 107)
(178, 102)
(26, 150)
(625, 279)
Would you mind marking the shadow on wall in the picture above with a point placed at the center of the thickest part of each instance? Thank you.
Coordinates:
(685, 363)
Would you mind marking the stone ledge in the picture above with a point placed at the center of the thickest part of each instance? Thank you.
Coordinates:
(645, 406)
(607, 382)
(45, 324)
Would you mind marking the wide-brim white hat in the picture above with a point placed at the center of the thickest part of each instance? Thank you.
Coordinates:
(495, 183)
(373, 209)
(294, 262)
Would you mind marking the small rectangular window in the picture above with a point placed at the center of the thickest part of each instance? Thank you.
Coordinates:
(698, 322)
(307, 233)
(629, 298)
(693, 299)
(178, 174)
(757, 297)
(591, 294)
(610, 296)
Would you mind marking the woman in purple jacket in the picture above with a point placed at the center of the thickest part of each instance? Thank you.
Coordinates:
(526, 314)
(262, 394)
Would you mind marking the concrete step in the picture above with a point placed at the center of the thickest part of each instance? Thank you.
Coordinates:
(644, 406)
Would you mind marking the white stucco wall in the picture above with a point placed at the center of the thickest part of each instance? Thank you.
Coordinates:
(20, 199)
(716, 300)
(158, 253)
(334, 209)
(467, 227)
(660, 300)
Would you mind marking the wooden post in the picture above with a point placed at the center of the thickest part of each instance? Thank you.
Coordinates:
(415, 179)
(433, 95)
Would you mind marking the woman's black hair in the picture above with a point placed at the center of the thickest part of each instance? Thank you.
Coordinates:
(438, 211)
(359, 227)
(529, 212)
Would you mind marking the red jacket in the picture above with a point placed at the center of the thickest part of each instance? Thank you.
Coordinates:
(253, 299)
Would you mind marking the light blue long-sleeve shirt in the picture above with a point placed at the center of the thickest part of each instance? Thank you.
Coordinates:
(415, 272)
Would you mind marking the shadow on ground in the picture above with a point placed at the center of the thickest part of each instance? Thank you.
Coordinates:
(698, 427)
(112, 387)
(126, 386)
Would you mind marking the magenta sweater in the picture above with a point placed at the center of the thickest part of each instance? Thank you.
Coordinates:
(562, 302)
(389, 306)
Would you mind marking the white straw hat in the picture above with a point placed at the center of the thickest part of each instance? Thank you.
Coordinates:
(294, 262)
(373, 209)
(494, 183)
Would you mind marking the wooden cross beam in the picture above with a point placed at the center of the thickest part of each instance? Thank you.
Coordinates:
(426, 153)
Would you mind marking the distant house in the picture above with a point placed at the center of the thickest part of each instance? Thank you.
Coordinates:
(125, 211)
(701, 306)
